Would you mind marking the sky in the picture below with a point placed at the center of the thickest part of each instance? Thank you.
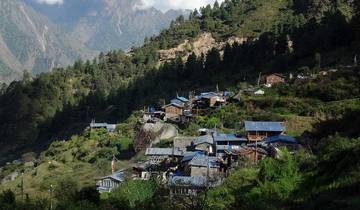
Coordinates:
(163, 5)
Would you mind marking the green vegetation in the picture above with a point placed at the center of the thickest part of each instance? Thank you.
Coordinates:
(289, 37)
(80, 160)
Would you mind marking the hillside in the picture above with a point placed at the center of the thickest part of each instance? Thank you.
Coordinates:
(314, 47)
(112, 86)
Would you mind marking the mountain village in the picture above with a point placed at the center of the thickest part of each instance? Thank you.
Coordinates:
(194, 164)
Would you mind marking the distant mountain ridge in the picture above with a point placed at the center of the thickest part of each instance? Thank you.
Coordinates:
(108, 24)
(38, 37)
(29, 41)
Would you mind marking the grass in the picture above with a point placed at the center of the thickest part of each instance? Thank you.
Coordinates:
(71, 159)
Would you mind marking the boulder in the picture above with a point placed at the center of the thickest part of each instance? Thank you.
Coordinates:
(161, 130)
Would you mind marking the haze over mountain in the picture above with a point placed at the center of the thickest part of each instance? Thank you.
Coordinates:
(38, 36)
(28, 40)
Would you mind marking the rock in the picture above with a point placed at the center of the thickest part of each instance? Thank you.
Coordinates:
(17, 162)
(29, 164)
(10, 177)
(200, 45)
(162, 130)
(29, 157)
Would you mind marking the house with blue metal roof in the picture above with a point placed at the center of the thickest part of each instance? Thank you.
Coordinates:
(259, 130)
(203, 166)
(111, 182)
(186, 185)
(179, 109)
(209, 100)
(108, 127)
(281, 139)
(182, 99)
(227, 142)
(204, 143)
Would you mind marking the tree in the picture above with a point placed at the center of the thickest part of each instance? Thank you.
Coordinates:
(3, 88)
(133, 194)
(89, 194)
(212, 61)
(7, 198)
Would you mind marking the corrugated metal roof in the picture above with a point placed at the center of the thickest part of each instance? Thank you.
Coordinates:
(264, 126)
(118, 176)
(227, 137)
(163, 152)
(187, 181)
(188, 156)
(204, 161)
(281, 138)
(208, 95)
(177, 101)
(175, 104)
(183, 99)
(109, 127)
(204, 139)
(228, 147)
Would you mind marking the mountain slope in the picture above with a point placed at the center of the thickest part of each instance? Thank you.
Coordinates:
(37, 37)
(108, 24)
(29, 41)
(63, 102)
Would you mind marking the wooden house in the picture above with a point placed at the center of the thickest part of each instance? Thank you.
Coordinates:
(209, 100)
(253, 154)
(282, 141)
(226, 143)
(186, 185)
(258, 131)
(178, 107)
(204, 143)
(173, 109)
(111, 182)
(158, 155)
(205, 166)
(273, 79)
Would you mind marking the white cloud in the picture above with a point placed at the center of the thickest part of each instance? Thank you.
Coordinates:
(165, 5)
(50, 2)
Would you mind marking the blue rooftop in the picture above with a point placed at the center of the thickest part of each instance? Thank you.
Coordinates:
(118, 176)
(264, 126)
(183, 99)
(177, 101)
(205, 161)
(227, 137)
(208, 95)
(188, 181)
(204, 139)
(190, 155)
(281, 138)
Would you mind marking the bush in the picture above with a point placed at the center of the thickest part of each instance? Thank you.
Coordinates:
(133, 194)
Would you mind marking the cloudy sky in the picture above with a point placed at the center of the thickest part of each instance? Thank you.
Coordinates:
(163, 5)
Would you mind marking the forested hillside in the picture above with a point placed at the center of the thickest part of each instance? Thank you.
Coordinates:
(315, 39)
(35, 110)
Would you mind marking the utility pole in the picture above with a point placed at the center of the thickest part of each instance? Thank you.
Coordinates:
(208, 172)
(256, 155)
(51, 192)
(355, 60)
(259, 79)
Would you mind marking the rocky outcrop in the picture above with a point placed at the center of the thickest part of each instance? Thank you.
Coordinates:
(201, 45)
(161, 130)
(152, 133)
